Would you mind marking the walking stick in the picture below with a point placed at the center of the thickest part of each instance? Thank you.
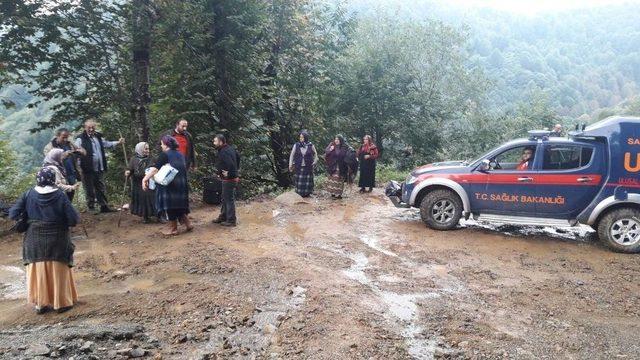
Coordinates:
(124, 194)
(124, 151)
(126, 180)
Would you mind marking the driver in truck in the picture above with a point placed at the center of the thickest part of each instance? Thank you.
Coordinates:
(525, 161)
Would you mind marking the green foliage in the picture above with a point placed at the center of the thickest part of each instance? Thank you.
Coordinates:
(404, 81)
(13, 182)
(386, 173)
(260, 71)
(70, 51)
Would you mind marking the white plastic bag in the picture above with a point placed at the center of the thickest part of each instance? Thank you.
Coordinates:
(165, 175)
(152, 184)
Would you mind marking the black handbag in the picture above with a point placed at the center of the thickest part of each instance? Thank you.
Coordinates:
(22, 224)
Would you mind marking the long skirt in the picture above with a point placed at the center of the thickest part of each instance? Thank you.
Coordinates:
(335, 185)
(143, 203)
(51, 284)
(303, 180)
(367, 174)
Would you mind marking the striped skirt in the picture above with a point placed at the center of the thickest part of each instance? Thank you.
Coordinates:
(335, 185)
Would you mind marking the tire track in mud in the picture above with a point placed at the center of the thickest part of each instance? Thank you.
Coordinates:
(401, 309)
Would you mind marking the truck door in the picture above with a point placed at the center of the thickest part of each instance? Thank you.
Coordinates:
(569, 178)
(512, 174)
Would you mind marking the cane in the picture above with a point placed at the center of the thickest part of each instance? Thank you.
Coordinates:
(126, 178)
(124, 194)
(124, 151)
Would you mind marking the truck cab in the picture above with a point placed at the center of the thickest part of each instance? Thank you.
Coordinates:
(590, 177)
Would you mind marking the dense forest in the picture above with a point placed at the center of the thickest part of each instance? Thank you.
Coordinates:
(428, 81)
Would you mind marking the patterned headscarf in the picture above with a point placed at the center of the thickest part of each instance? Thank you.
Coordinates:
(54, 158)
(305, 136)
(140, 149)
(46, 177)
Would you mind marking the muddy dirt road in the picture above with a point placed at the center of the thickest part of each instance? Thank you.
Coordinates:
(349, 279)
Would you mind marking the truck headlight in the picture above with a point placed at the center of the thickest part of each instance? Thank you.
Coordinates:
(411, 179)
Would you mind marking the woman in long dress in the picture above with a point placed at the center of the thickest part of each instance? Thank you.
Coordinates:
(367, 155)
(336, 167)
(172, 200)
(47, 250)
(143, 203)
(302, 161)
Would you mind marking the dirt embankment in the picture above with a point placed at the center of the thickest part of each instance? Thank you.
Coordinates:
(323, 279)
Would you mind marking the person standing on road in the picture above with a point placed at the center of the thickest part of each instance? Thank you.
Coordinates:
(54, 161)
(94, 165)
(185, 142)
(172, 200)
(228, 166)
(143, 203)
(47, 250)
(302, 161)
(336, 168)
(70, 162)
(367, 155)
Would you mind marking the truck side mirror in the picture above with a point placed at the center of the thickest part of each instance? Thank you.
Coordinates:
(484, 166)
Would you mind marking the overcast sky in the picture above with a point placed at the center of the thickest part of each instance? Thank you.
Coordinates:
(536, 6)
(525, 7)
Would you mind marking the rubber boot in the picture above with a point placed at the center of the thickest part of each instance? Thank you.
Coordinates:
(172, 230)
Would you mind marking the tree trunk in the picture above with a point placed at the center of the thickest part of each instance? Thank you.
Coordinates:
(223, 81)
(142, 23)
(379, 139)
(277, 130)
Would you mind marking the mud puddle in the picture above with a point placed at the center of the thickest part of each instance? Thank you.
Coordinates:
(12, 282)
(400, 310)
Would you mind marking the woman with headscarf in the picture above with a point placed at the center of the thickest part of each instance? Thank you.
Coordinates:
(172, 200)
(337, 170)
(54, 161)
(47, 250)
(367, 155)
(142, 202)
(302, 161)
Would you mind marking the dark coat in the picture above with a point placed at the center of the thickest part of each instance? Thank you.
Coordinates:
(86, 161)
(143, 203)
(50, 216)
(367, 166)
(174, 196)
(229, 160)
(335, 160)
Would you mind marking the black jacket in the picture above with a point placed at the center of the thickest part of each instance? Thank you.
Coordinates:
(228, 160)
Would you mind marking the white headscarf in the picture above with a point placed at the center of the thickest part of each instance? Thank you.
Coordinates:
(140, 149)
(54, 158)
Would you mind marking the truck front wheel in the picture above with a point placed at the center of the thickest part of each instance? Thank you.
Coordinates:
(620, 230)
(441, 209)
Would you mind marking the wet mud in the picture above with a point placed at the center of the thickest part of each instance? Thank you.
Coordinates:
(330, 279)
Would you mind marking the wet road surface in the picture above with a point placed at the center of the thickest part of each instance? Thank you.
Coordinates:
(326, 279)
